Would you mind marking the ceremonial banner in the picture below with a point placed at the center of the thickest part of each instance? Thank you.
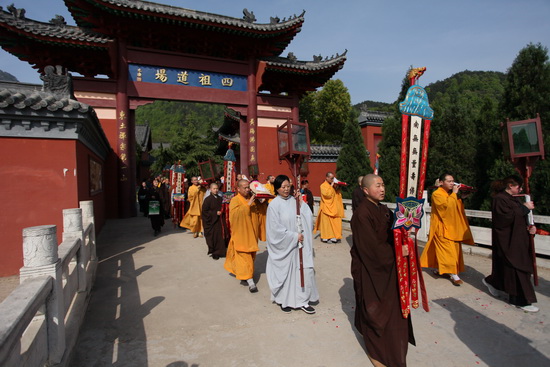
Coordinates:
(415, 131)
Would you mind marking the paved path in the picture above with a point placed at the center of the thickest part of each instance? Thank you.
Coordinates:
(160, 301)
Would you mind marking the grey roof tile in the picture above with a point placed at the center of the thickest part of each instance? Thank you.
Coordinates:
(20, 98)
(52, 30)
(173, 11)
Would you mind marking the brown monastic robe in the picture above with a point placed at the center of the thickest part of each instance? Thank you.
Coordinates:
(212, 223)
(512, 257)
(373, 268)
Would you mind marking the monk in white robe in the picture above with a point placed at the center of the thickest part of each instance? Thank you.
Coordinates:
(283, 262)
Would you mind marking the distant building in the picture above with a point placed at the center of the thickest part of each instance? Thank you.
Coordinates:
(371, 130)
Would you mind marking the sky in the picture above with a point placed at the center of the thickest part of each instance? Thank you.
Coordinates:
(383, 37)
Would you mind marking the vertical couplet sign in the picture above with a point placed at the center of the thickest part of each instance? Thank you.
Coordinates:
(416, 116)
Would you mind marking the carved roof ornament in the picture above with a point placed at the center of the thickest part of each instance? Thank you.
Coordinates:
(57, 81)
(274, 20)
(58, 20)
(317, 58)
(17, 13)
(249, 16)
(291, 57)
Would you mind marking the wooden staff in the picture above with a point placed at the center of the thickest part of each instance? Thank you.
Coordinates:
(295, 163)
(531, 236)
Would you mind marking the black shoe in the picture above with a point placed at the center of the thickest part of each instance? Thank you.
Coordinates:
(244, 282)
(309, 310)
(253, 289)
(215, 257)
(286, 309)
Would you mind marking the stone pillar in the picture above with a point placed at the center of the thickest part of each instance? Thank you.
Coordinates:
(41, 258)
(87, 218)
(72, 230)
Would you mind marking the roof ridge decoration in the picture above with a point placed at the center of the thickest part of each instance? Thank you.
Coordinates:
(58, 82)
(56, 28)
(58, 21)
(17, 13)
(163, 10)
(318, 62)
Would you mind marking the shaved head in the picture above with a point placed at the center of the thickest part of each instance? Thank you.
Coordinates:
(373, 187)
(368, 180)
(242, 182)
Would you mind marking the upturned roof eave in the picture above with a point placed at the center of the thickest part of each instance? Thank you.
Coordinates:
(139, 9)
(47, 32)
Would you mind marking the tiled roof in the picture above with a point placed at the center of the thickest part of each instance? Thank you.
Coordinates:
(23, 96)
(55, 31)
(27, 111)
(373, 117)
(324, 153)
(138, 8)
(318, 64)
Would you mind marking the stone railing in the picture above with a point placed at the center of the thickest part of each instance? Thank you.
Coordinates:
(482, 235)
(41, 318)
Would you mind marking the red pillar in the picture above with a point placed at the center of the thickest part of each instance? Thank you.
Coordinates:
(126, 133)
(249, 142)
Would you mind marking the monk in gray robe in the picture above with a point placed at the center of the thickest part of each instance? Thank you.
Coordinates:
(283, 262)
(373, 268)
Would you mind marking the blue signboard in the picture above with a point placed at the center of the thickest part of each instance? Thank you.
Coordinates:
(186, 77)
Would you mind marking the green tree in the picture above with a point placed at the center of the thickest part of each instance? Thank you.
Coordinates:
(308, 111)
(326, 111)
(527, 93)
(189, 148)
(353, 160)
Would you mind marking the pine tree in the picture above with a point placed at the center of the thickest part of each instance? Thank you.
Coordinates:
(353, 160)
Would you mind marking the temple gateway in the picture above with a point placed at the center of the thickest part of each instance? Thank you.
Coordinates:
(131, 53)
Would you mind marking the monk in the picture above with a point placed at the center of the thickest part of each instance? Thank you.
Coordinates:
(192, 219)
(243, 244)
(449, 228)
(378, 314)
(331, 211)
(258, 210)
(269, 184)
(212, 222)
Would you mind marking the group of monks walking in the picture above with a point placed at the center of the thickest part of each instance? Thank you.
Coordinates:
(378, 317)
(289, 232)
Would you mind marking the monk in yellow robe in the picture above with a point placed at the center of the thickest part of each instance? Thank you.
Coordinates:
(243, 244)
(449, 228)
(258, 210)
(331, 211)
(192, 219)
(269, 184)
(270, 188)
